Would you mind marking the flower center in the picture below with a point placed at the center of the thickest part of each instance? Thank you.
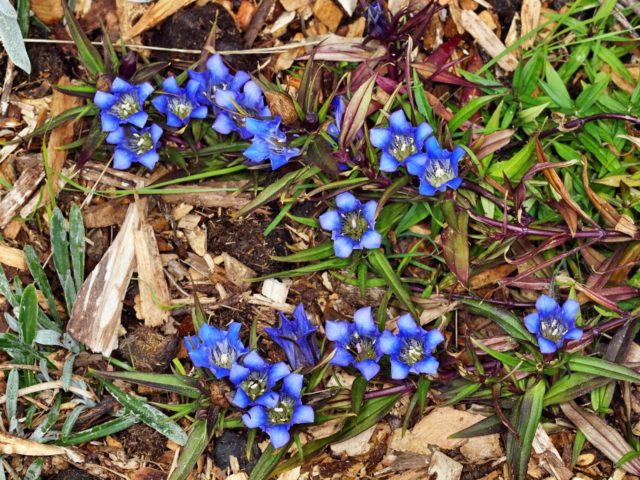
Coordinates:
(126, 105)
(402, 146)
(412, 351)
(140, 143)
(439, 172)
(354, 224)
(223, 355)
(553, 328)
(255, 385)
(180, 106)
(363, 348)
(282, 412)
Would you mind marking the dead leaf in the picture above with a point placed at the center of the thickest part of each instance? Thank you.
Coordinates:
(10, 445)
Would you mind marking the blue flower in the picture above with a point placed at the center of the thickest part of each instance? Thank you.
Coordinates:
(268, 143)
(255, 380)
(357, 343)
(251, 103)
(410, 350)
(400, 143)
(217, 78)
(553, 325)
(339, 105)
(135, 145)
(216, 349)
(352, 225)
(282, 412)
(377, 24)
(123, 104)
(437, 169)
(179, 104)
(297, 338)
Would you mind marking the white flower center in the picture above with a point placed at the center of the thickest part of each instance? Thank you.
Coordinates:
(282, 412)
(553, 329)
(223, 355)
(140, 143)
(439, 172)
(126, 105)
(180, 106)
(402, 146)
(412, 351)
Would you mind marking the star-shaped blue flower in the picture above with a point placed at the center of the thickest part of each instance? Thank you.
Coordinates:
(356, 343)
(352, 225)
(400, 143)
(297, 338)
(135, 145)
(124, 104)
(553, 325)
(283, 411)
(216, 349)
(251, 102)
(339, 106)
(180, 105)
(269, 143)
(255, 380)
(410, 350)
(217, 78)
(437, 169)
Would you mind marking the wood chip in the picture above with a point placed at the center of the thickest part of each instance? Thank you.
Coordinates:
(179, 211)
(237, 272)
(328, 14)
(95, 319)
(355, 446)
(488, 40)
(10, 445)
(12, 257)
(197, 239)
(48, 12)
(204, 197)
(530, 14)
(20, 194)
(160, 11)
(154, 292)
(292, 5)
(105, 214)
(443, 467)
(348, 5)
(549, 457)
(275, 290)
(245, 13)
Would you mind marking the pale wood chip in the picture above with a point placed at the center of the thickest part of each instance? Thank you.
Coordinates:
(443, 467)
(189, 222)
(328, 14)
(549, 457)
(350, 5)
(105, 214)
(47, 11)
(275, 290)
(354, 446)
(160, 11)
(95, 319)
(530, 14)
(154, 292)
(11, 445)
(180, 210)
(204, 197)
(291, 5)
(197, 239)
(20, 194)
(12, 257)
(237, 272)
(456, 15)
(487, 39)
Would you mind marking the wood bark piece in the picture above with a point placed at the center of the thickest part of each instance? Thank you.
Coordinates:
(530, 13)
(20, 193)
(10, 445)
(549, 457)
(48, 11)
(328, 13)
(12, 257)
(488, 40)
(208, 199)
(155, 15)
(154, 292)
(95, 319)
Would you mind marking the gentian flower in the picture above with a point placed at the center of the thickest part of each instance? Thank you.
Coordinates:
(377, 24)
(268, 143)
(297, 338)
(251, 102)
(352, 225)
(400, 143)
(410, 349)
(179, 104)
(216, 349)
(437, 169)
(217, 78)
(123, 104)
(553, 325)
(255, 380)
(283, 411)
(339, 105)
(135, 145)
(357, 343)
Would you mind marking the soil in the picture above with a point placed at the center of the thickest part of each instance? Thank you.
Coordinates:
(143, 441)
(505, 10)
(149, 350)
(245, 237)
(234, 443)
(73, 474)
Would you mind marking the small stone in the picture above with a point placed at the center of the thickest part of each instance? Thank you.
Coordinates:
(328, 14)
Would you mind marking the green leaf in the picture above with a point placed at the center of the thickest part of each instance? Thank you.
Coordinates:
(469, 109)
(319, 252)
(488, 426)
(100, 431)
(195, 445)
(516, 166)
(331, 264)
(268, 461)
(462, 393)
(60, 245)
(74, 113)
(505, 320)
(358, 389)
(87, 53)
(603, 368)
(28, 315)
(382, 267)
(182, 385)
(77, 244)
(40, 277)
(525, 419)
(148, 414)
(455, 242)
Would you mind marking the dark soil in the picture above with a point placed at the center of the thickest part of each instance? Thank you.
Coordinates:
(244, 240)
(73, 474)
(506, 9)
(143, 441)
(149, 350)
(234, 443)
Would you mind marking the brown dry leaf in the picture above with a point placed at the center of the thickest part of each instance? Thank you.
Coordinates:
(95, 319)
(530, 13)
(12, 257)
(491, 276)
(20, 193)
(487, 39)
(328, 13)
(105, 214)
(281, 103)
(10, 445)
(154, 292)
(205, 197)
(355, 446)
(48, 11)
(245, 13)
(620, 223)
(155, 15)
(603, 437)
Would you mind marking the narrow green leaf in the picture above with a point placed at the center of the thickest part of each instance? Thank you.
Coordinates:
(77, 244)
(603, 368)
(319, 252)
(185, 386)
(455, 242)
(267, 462)
(28, 315)
(505, 320)
(149, 415)
(60, 245)
(87, 53)
(332, 264)
(40, 277)
(382, 267)
(356, 112)
(100, 431)
(488, 426)
(469, 109)
(195, 445)
(358, 389)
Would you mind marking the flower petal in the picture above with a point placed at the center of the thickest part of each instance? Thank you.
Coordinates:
(416, 164)
(433, 148)
(303, 414)
(330, 220)
(369, 212)
(433, 338)
(200, 357)
(399, 370)
(170, 85)
(138, 119)
(253, 96)
(573, 334)
(422, 133)
(341, 357)
(380, 137)
(122, 159)
(407, 326)
(278, 371)
(569, 310)
(346, 202)
(371, 239)
(218, 69)
(255, 417)
(337, 331)
(426, 188)
(279, 435)
(388, 163)
(254, 361)
(116, 137)
(427, 366)
(292, 385)
(258, 151)
(211, 335)
(363, 318)
(546, 305)
(104, 100)
(389, 344)
(156, 132)
(546, 346)
(241, 399)
(398, 122)
(224, 124)
(149, 159)
(109, 122)
(238, 373)
(342, 247)
(120, 86)
(532, 322)
(144, 90)
(368, 368)
(200, 112)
